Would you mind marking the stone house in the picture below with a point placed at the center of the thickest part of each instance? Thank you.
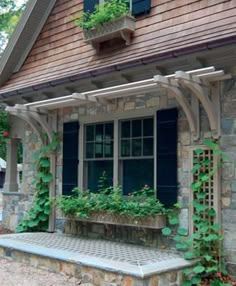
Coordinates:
(135, 103)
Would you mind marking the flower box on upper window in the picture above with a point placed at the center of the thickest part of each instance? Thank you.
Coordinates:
(122, 28)
(105, 20)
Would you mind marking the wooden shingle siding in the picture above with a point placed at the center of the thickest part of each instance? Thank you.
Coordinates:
(172, 24)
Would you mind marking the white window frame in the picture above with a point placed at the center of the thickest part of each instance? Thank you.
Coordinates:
(115, 118)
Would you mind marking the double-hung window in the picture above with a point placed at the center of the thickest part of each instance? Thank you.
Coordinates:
(98, 153)
(136, 154)
(133, 152)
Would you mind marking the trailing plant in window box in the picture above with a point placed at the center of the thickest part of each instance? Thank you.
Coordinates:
(110, 20)
(205, 244)
(111, 207)
(37, 217)
(104, 12)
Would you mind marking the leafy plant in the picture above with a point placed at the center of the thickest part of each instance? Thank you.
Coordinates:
(139, 204)
(104, 12)
(37, 217)
(205, 243)
(4, 132)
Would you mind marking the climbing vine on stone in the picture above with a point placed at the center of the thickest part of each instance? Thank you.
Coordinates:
(205, 244)
(38, 216)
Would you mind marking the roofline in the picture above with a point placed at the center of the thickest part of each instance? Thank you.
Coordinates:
(24, 37)
(124, 66)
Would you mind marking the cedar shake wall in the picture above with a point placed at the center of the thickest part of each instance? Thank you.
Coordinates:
(172, 24)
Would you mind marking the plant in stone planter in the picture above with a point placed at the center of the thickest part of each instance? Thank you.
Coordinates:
(110, 206)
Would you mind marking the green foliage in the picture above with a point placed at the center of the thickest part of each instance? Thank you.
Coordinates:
(205, 243)
(37, 217)
(9, 15)
(104, 12)
(4, 127)
(139, 204)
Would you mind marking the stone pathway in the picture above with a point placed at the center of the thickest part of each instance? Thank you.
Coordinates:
(19, 274)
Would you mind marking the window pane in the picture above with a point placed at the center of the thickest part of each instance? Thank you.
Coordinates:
(99, 150)
(125, 148)
(125, 129)
(95, 171)
(136, 174)
(148, 146)
(109, 131)
(148, 127)
(108, 149)
(90, 133)
(136, 128)
(99, 133)
(136, 147)
(89, 150)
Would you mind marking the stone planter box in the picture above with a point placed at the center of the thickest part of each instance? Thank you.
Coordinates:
(154, 222)
(122, 28)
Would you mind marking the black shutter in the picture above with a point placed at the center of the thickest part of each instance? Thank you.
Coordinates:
(70, 157)
(89, 5)
(140, 7)
(167, 156)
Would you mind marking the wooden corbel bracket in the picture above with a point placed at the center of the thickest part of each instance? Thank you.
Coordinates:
(22, 115)
(175, 89)
(202, 91)
(40, 118)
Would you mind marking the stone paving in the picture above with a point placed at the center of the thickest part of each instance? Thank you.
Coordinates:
(111, 256)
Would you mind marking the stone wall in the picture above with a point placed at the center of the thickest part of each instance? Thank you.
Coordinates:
(16, 204)
(228, 144)
(15, 207)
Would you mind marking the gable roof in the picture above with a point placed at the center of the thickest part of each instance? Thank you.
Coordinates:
(56, 52)
(24, 37)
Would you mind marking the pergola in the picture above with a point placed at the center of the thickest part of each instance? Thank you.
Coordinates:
(191, 89)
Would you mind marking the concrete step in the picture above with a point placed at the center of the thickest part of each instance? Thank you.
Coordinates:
(98, 262)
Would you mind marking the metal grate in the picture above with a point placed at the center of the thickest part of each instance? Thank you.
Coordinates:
(134, 255)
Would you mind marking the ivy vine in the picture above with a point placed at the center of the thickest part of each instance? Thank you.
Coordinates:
(205, 244)
(38, 216)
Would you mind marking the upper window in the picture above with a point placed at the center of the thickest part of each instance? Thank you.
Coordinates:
(138, 7)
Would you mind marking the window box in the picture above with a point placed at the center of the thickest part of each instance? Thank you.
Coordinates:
(157, 221)
(121, 28)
